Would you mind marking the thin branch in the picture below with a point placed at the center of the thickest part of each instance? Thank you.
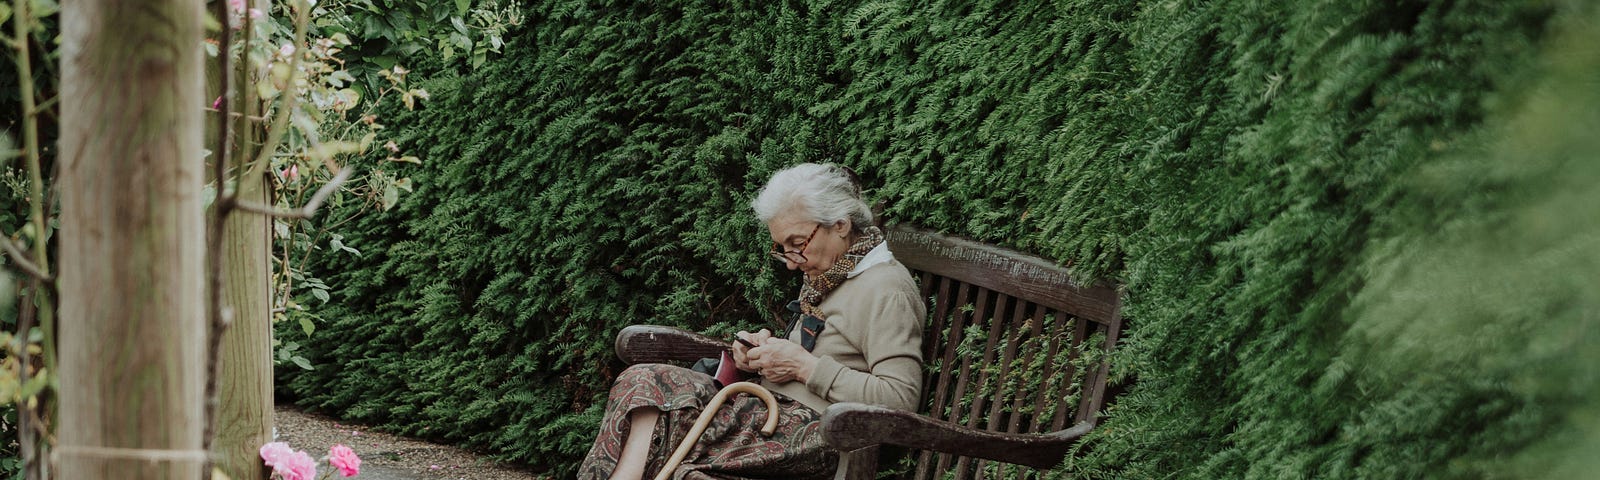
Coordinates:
(45, 105)
(222, 206)
(304, 212)
(23, 263)
(306, 258)
(239, 115)
(22, 18)
(220, 325)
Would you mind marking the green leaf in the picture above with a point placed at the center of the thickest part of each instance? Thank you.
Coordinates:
(44, 8)
(462, 6)
(320, 294)
(366, 141)
(302, 362)
(36, 384)
(307, 326)
(391, 195)
(384, 62)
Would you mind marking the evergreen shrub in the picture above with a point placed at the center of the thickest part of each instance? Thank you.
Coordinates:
(1333, 218)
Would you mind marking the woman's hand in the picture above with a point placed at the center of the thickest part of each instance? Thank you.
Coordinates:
(741, 352)
(780, 361)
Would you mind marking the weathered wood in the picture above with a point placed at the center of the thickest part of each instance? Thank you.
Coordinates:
(861, 464)
(657, 344)
(853, 425)
(1080, 335)
(132, 235)
(244, 410)
(1036, 326)
(1091, 403)
(1023, 276)
(244, 382)
(975, 417)
(993, 421)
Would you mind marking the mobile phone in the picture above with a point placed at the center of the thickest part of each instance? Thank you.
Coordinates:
(746, 343)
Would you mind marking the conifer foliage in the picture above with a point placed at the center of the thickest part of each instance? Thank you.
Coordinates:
(1260, 175)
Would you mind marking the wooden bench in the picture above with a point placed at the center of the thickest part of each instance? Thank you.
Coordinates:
(1016, 363)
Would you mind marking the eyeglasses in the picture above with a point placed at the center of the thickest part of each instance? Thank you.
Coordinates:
(797, 256)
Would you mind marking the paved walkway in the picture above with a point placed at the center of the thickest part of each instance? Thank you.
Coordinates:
(380, 472)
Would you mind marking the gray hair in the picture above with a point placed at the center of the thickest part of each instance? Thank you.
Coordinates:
(824, 193)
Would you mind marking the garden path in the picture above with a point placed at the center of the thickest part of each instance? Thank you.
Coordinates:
(389, 457)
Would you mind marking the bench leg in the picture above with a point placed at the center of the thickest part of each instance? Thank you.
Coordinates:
(861, 464)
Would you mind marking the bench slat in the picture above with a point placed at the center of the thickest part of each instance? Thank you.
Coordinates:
(1091, 403)
(955, 328)
(1080, 334)
(1037, 325)
(995, 317)
(1048, 389)
(1019, 312)
(979, 315)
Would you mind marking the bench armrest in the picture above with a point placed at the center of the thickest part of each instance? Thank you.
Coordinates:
(847, 426)
(657, 344)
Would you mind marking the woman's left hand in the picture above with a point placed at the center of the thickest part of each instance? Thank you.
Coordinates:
(780, 360)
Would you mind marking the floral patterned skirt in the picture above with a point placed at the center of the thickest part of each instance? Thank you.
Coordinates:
(732, 447)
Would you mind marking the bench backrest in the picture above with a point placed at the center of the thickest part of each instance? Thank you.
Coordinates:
(1012, 344)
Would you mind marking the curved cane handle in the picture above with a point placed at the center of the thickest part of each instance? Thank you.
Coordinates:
(710, 411)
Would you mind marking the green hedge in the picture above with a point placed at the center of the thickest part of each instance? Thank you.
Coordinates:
(1331, 216)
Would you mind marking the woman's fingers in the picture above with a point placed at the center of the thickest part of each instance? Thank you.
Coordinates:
(779, 360)
(741, 351)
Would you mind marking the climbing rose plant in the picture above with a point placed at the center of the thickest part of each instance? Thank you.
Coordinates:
(290, 464)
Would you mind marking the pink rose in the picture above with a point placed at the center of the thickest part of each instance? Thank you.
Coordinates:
(299, 467)
(276, 453)
(288, 463)
(344, 459)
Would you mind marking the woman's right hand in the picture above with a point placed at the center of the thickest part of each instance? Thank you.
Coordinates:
(740, 351)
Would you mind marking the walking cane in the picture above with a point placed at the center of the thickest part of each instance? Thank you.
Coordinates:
(711, 411)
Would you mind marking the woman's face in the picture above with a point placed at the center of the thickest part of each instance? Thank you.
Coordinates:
(806, 245)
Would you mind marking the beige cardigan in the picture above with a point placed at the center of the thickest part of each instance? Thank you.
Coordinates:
(871, 349)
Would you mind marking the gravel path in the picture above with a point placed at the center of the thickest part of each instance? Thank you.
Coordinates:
(388, 457)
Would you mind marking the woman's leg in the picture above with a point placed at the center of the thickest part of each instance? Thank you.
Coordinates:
(636, 448)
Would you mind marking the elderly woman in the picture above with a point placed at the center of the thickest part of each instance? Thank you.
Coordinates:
(857, 338)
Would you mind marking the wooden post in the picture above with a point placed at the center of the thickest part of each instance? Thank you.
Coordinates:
(244, 382)
(244, 376)
(132, 241)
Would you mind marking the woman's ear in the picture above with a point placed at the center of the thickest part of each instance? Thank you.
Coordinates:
(843, 226)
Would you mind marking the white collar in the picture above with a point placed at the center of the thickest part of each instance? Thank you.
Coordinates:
(878, 254)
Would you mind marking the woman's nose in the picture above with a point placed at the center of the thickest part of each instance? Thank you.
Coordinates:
(790, 264)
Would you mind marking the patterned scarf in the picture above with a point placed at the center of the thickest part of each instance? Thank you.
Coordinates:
(817, 287)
